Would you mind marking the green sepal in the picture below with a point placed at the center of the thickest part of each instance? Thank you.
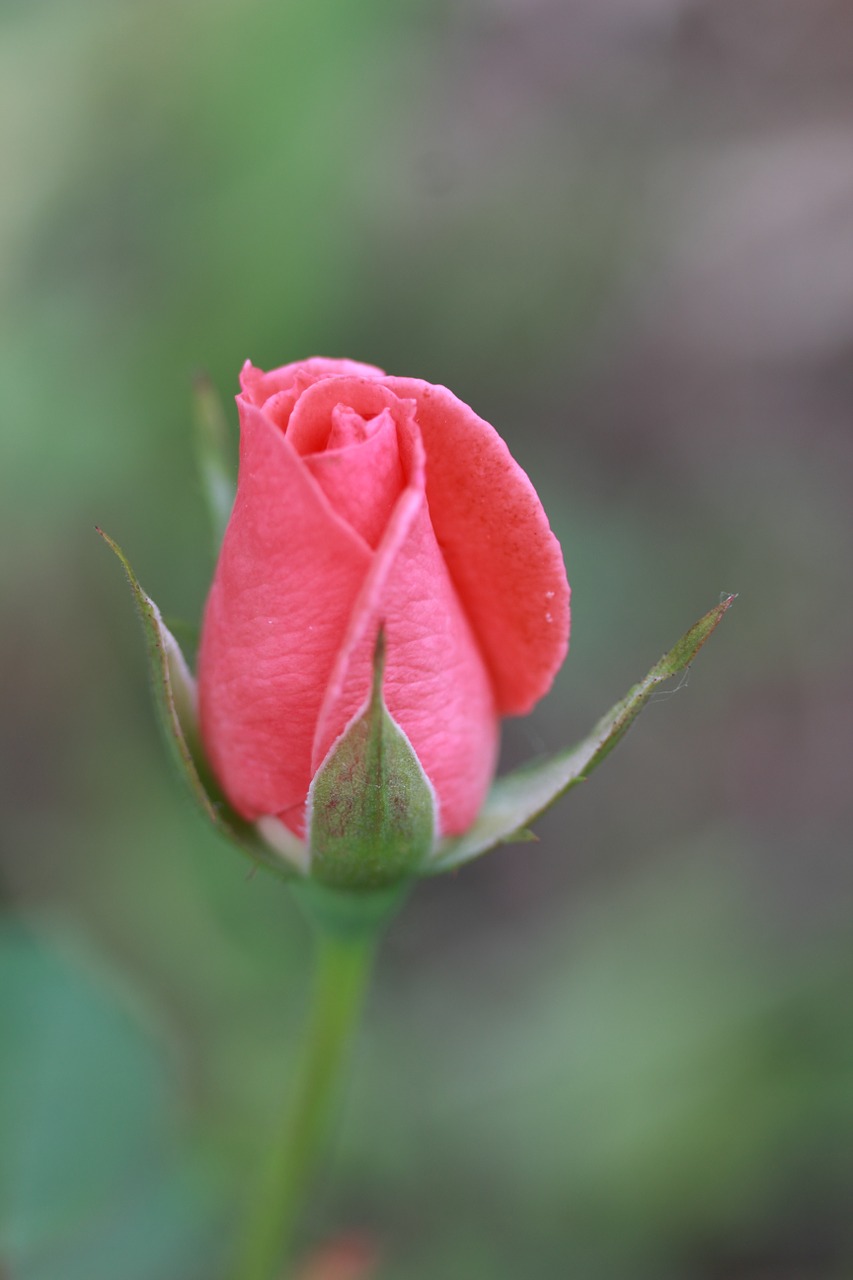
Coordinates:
(522, 836)
(215, 464)
(176, 703)
(371, 807)
(515, 800)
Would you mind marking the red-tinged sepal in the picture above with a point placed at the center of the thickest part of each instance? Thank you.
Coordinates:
(518, 798)
(175, 699)
(372, 815)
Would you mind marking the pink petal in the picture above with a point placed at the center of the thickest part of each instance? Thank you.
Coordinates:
(436, 685)
(288, 576)
(506, 564)
(363, 481)
(311, 421)
(258, 385)
(360, 494)
(278, 391)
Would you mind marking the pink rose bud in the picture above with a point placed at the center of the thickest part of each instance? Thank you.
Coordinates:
(367, 502)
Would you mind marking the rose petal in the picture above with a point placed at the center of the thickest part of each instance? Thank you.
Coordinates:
(278, 391)
(503, 558)
(363, 481)
(436, 685)
(257, 385)
(270, 636)
(311, 422)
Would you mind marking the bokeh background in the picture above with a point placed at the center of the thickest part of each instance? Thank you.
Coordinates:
(623, 231)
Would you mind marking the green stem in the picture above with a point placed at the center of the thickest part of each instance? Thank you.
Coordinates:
(343, 964)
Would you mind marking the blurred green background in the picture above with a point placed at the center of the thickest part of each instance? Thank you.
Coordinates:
(621, 230)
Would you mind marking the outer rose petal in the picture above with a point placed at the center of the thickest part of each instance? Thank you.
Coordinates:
(270, 637)
(436, 685)
(503, 558)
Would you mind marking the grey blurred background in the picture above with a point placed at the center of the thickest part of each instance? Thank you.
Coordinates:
(623, 231)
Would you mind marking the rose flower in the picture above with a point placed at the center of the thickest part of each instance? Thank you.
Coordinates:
(367, 501)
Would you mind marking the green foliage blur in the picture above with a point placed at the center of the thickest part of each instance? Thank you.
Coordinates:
(621, 231)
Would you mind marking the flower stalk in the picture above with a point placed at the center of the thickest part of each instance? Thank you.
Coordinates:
(347, 928)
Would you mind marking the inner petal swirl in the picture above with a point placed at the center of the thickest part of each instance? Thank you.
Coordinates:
(360, 471)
